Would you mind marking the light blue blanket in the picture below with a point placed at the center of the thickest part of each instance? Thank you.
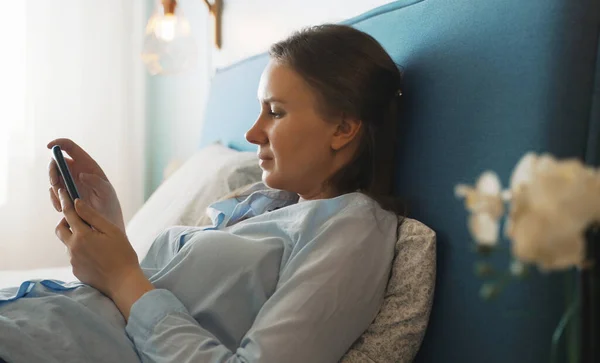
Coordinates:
(272, 281)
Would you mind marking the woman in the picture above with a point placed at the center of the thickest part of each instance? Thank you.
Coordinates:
(293, 270)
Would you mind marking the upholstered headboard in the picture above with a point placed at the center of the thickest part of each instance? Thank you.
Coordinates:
(485, 81)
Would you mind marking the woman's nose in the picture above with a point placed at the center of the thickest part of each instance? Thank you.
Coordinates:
(256, 135)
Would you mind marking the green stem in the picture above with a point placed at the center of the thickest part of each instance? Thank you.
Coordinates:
(560, 328)
(573, 327)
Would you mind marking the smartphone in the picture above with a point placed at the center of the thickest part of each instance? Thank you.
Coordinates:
(63, 168)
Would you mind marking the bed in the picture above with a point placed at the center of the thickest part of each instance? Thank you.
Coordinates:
(485, 82)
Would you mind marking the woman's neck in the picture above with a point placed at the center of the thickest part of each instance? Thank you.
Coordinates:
(319, 194)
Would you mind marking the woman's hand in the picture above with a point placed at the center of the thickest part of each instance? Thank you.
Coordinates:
(101, 255)
(91, 182)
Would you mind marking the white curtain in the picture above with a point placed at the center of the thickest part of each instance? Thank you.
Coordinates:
(68, 68)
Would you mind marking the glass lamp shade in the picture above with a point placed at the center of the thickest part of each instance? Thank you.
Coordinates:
(169, 46)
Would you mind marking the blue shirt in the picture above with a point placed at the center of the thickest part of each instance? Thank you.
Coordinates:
(273, 280)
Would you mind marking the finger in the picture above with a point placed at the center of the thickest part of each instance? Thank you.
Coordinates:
(76, 223)
(56, 180)
(92, 217)
(70, 147)
(63, 232)
(55, 201)
(75, 152)
(54, 175)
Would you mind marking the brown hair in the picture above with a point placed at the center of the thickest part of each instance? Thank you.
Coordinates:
(355, 77)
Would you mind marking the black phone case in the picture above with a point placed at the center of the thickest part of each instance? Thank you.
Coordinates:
(63, 168)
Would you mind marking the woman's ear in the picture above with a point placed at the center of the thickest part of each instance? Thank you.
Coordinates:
(346, 131)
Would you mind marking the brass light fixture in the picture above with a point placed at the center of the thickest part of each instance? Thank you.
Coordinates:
(169, 46)
(215, 10)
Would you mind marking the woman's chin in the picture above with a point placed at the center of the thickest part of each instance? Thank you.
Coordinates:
(271, 180)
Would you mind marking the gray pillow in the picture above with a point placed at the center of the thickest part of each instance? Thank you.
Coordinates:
(398, 329)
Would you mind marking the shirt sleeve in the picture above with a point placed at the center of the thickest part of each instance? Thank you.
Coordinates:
(327, 295)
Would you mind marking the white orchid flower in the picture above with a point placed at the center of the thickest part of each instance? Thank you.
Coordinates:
(485, 203)
(552, 204)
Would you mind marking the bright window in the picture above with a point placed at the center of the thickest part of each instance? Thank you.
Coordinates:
(13, 82)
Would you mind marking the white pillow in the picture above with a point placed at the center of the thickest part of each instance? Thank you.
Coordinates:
(182, 198)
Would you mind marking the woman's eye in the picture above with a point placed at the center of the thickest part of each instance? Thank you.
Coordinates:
(276, 114)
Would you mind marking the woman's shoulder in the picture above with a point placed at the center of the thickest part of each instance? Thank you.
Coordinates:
(351, 204)
(350, 211)
(362, 212)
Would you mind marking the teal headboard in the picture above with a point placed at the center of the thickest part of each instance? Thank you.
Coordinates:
(485, 81)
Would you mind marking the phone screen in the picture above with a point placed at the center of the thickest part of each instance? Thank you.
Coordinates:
(63, 168)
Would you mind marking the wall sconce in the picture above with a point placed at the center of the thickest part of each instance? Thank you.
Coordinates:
(215, 10)
(169, 46)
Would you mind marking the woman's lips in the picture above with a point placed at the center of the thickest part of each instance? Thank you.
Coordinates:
(264, 160)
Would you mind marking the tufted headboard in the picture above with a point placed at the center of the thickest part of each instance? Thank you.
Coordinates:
(485, 81)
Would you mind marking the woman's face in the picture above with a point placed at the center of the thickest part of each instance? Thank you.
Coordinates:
(295, 143)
